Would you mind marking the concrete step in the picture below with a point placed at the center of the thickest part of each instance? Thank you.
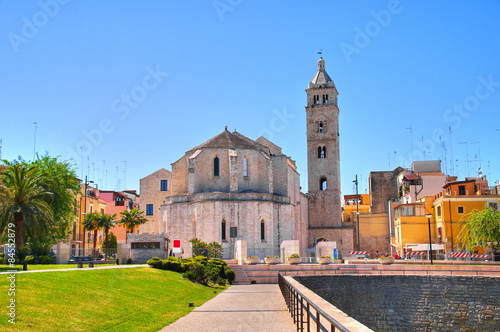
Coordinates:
(241, 275)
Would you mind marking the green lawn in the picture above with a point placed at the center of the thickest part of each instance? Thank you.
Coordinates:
(32, 267)
(135, 299)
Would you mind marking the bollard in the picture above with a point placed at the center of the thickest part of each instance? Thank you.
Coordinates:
(191, 304)
(117, 262)
(25, 266)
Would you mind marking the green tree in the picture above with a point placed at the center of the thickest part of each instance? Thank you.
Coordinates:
(63, 186)
(131, 219)
(113, 242)
(24, 201)
(91, 223)
(107, 222)
(482, 229)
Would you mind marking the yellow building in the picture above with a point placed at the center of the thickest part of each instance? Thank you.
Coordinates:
(412, 226)
(457, 200)
(85, 204)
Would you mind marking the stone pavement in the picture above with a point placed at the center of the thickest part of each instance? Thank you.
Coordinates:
(258, 307)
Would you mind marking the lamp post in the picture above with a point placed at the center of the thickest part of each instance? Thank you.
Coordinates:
(428, 215)
(357, 209)
(85, 209)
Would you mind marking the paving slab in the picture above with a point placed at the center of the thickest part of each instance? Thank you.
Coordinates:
(258, 307)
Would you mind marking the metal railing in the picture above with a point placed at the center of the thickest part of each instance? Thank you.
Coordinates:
(300, 307)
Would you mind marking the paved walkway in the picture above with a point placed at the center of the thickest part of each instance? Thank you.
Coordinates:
(239, 308)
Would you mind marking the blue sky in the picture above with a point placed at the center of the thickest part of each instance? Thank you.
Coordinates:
(133, 85)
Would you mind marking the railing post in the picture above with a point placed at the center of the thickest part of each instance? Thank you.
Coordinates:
(318, 324)
(308, 318)
(301, 313)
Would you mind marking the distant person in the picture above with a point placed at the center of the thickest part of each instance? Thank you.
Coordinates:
(396, 256)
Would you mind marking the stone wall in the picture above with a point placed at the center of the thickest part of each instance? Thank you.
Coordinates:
(413, 303)
(151, 194)
(383, 186)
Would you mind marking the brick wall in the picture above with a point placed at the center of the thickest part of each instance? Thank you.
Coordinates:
(414, 303)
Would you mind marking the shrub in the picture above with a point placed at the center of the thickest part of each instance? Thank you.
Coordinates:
(171, 264)
(294, 256)
(155, 262)
(221, 281)
(29, 259)
(2, 257)
(45, 259)
(325, 256)
(129, 261)
(229, 274)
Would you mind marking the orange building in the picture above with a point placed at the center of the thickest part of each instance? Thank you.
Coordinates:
(118, 202)
(457, 199)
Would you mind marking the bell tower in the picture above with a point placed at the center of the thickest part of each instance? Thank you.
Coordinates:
(323, 161)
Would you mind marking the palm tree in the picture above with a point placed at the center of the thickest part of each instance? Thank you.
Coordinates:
(131, 219)
(106, 222)
(91, 223)
(24, 201)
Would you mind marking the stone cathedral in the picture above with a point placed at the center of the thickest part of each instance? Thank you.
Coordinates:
(234, 188)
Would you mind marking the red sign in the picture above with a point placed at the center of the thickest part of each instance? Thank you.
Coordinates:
(177, 243)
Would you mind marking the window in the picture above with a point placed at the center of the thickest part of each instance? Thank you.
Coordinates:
(149, 209)
(262, 230)
(325, 99)
(233, 232)
(320, 127)
(216, 166)
(493, 205)
(245, 166)
(223, 230)
(439, 211)
(322, 152)
(322, 184)
(460, 209)
(91, 207)
(316, 100)
(145, 245)
(461, 190)
(102, 210)
(163, 185)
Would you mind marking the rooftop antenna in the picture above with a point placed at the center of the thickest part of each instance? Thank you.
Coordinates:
(489, 170)
(118, 179)
(451, 151)
(88, 166)
(395, 161)
(93, 171)
(34, 144)
(103, 170)
(444, 151)
(411, 143)
(125, 176)
(466, 157)
(425, 148)
(478, 153)
(320, 52)
(456, 161)
(389, 160)
(81, 154)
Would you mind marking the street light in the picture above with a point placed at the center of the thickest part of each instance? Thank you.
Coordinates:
(85, 209)
(428, 215)
(357, 210)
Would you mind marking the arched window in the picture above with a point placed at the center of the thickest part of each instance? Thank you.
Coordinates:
(320, 127)
(262, 230)
(245, 166)
(322, 152)
(223, 230)
(322, 184)
(216, 166)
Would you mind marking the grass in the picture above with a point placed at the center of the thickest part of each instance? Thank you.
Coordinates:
(135, 299)
(34, 267)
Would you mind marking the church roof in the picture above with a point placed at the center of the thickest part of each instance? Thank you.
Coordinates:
(231, 140)
(321, 76)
